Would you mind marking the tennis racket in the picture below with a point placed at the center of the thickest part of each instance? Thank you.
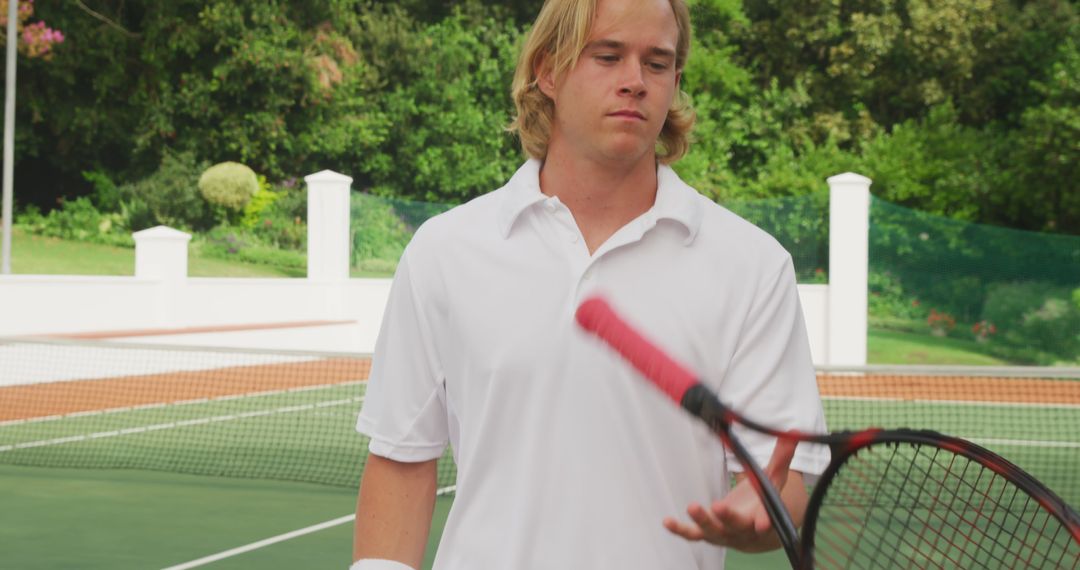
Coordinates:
(889, 498)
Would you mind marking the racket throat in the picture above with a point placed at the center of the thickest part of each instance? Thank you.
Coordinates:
(701, 402)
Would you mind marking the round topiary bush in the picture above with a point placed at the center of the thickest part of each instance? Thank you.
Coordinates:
(228, 184)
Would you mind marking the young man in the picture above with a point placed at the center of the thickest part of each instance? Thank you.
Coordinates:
(565, 458)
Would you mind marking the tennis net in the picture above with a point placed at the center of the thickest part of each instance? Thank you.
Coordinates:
(290, 415)
(284, 415)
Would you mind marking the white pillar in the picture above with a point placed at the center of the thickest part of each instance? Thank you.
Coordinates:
(161, 254)
(328, 226)
(849, 242)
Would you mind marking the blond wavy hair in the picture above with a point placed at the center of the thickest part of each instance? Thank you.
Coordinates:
(556, 41)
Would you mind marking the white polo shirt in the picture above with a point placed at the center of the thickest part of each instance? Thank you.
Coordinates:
(566, 457)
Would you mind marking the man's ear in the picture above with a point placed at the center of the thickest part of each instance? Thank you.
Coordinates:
(545, 79)
(678, 79)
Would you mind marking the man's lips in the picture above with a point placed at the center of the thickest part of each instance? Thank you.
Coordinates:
(628, 114)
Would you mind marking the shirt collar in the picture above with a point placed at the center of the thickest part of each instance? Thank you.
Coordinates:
(675, 200)
(523, 190)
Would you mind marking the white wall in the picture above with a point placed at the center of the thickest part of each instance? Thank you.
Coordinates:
(37, 304)
(161, 296)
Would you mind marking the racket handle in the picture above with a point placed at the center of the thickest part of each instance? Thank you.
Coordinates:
(596, 316)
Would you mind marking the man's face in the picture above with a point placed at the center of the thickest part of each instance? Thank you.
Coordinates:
(611, 106)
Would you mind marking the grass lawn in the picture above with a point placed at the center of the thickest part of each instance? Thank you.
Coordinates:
(36, 255)
(890, 347)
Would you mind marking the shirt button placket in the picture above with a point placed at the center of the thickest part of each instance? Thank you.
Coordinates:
(580, 260)
(586, 282)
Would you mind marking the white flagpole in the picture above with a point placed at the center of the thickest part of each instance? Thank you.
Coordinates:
(9, 134)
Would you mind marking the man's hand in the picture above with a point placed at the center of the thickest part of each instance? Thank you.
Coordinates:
(739, 520)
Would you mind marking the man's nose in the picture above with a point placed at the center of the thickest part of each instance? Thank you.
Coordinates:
(632, 80)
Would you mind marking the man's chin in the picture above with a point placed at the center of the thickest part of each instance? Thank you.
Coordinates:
(631, 153)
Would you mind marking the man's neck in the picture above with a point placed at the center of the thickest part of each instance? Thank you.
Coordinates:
(602, 197)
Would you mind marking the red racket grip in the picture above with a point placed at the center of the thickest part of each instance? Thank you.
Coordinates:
(596, 316)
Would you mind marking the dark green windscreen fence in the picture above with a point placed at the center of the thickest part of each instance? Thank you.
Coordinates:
(1018, 292)
(800, 224)
(381, 227)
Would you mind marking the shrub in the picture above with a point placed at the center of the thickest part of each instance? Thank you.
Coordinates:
(236, 245)
(282, 221)
(229, 184)
(888, 299)
(77, 219)
(1053, 327)
(1035, 315)
(106, 195)
(264, 198)
(168, 197)
(377, 230)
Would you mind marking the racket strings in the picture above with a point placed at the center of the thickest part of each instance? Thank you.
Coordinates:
(978, 498)
(906, 505)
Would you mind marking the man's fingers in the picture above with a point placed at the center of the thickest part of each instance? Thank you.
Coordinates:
(704, 524)
(731, 519)
(704, 519)
(687, 531)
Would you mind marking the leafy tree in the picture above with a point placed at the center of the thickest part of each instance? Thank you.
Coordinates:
(934, 163)
(36, 40)
(277, 85)
(264, 89)
(897, 59)
(1045, 155)
(960, 107)
(448, 97)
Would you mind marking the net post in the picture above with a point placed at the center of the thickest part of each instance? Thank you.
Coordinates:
(849, 236)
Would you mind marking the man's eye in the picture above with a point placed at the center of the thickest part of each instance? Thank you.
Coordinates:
(607, 58)
(657, 66)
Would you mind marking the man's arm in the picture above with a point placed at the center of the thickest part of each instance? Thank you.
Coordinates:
(393, 510)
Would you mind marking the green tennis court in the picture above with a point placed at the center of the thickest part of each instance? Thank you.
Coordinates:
(221, 458)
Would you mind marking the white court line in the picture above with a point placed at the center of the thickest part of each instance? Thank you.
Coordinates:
(99, 361)
(981, 440)
(89, 413)
(976, 403)
(260, 544)
(180, 424)
(1023, 442)
(279, 538)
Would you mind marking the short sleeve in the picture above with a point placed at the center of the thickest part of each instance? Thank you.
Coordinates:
(771, 378)
(404, 408)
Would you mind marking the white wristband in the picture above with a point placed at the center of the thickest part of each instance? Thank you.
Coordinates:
(377, 564)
